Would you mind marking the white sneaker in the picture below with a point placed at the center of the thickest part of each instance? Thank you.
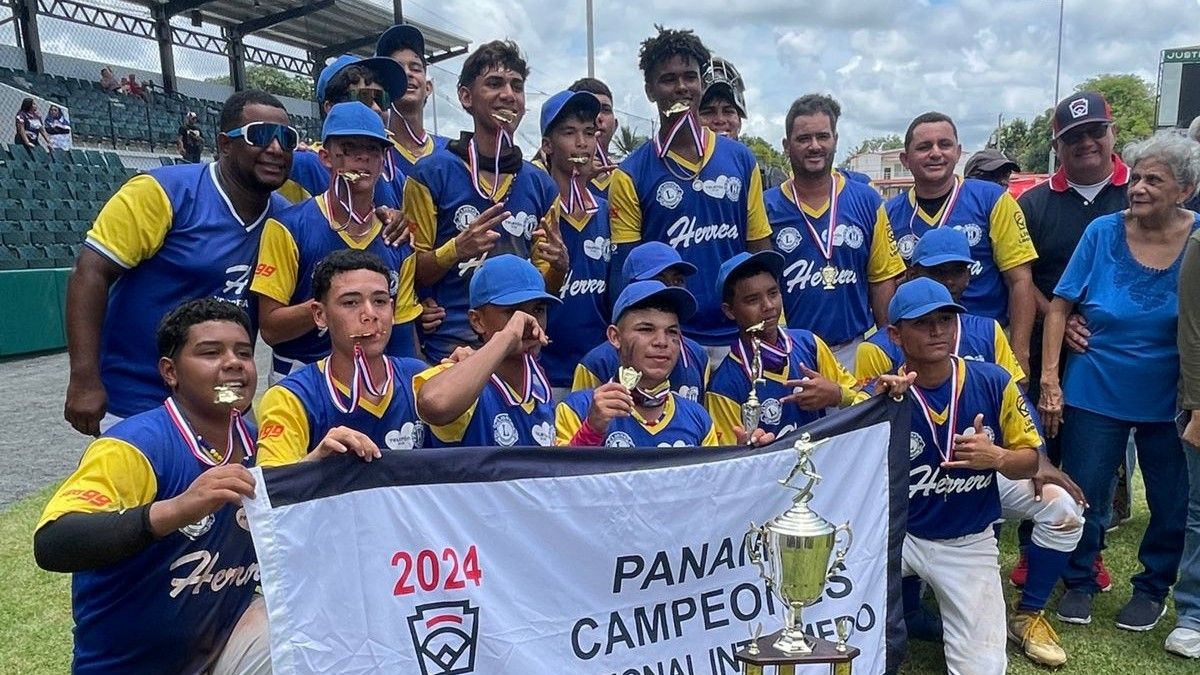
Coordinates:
(1184, 642)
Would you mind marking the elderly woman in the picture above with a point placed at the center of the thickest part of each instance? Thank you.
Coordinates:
(58, 128)
(1123, 278)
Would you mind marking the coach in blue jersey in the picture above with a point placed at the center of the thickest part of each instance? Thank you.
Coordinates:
(689, 187)
(359, 399)
(842, 263)
(651, 261)
(150, 525)
(353, 147)
(969, 422)
(405, 45)
(1002, 283)
(499, 395)
(478, 197)
(569, 143)
(169, 235)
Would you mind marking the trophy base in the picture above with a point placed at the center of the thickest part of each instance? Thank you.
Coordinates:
(823, 652)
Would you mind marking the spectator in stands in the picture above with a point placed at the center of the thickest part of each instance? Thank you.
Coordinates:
(131, 86)
(58, 127)
(190, 139)
(108, 81)
(30, 128)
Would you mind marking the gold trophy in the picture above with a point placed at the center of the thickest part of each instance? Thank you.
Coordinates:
(829, 275)
(752, 408)
(792, 552)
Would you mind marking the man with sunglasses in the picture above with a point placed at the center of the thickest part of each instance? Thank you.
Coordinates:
(353, 144)
(171, 234)
(374, 82)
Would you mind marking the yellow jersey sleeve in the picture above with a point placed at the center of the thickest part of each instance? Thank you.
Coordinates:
(282, 428)
(454, 431)
(1015, 421)
(584, 379)
(408, 307)
(420, 213)
(726, 414)
(870, 362)
(112, 476)
(278, 264)
(757, 226)
(293, 192)
(832, 369)
(134, 222)
(566, 424)
(884, 261)
(712, 439)
(624, 211)
(1005, 358)
(1011, 245)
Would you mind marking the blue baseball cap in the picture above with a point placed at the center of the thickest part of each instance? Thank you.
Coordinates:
(651, 259)
(568, 101)
(637, 292)
(942, 245)
(353, 118)
(914, 299)
(387, 72)
(401, 36)
(507, 280)
(772, 261)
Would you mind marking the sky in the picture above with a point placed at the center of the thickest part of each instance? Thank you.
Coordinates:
(885, 61)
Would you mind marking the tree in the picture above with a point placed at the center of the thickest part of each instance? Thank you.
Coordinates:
(1132, 102)
(765, 153)
(273, 81)
(626, 141)
(878, 143)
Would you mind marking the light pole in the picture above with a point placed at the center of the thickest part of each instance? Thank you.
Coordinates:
(1057, 75)
(591, 45)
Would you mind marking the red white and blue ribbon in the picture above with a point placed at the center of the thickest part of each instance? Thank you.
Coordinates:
(347, 204)
(419, 140)
(947, 209)
(602, 156)
(825, 246)
(502, 139)
(205, 452)
(579, 198)
(535, 384)
(946, 449)
(661, 148)
(652, 398)
(778, 353)
(359, 380)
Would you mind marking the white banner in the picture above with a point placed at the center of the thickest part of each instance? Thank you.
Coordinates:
(368, 569)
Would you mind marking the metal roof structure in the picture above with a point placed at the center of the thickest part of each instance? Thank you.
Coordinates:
(321, 28)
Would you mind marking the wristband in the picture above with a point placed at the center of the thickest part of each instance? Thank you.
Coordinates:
(446, 255)
(586, 437)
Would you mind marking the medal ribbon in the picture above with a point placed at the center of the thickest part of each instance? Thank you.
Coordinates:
(536, 384)
(602, 156)
(419, 140)
(347, 204)
(652, 398)
(389, 165)
(826, 247)
(698, 137)
(579, 197)
(361, 378)
(206, 453)
(947, 209)
(946, 450)
(473, 165)
(773, 356)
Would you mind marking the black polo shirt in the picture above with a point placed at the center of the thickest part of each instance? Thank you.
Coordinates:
(1057, 215)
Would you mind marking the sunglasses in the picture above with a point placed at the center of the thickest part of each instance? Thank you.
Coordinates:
(1092, 131)
(368, 97)
(262, 134)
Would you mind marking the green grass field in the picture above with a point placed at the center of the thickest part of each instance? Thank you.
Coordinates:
(35, 616)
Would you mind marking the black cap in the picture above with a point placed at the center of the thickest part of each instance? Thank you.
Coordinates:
(987, 161)
(400, 36)
(1086, 107)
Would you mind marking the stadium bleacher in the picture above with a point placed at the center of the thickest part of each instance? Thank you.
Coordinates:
(134, 122)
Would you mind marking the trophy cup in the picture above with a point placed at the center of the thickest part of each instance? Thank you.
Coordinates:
(792, 552)
(752, 409)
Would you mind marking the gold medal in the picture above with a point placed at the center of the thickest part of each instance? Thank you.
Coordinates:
(679, 107)
(504, 116)
(829, 275)
(352, 176)
(628, 377)
(226, 394)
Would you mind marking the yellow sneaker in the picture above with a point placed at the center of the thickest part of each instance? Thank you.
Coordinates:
(1037, 638)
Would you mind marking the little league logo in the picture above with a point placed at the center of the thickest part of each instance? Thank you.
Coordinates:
(1079, 108)
(444, 635)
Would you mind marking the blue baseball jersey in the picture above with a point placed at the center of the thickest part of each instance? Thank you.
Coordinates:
(864, 252)
(313, 177)
(440, 202)
(980, 339)
(170, 607)
(298, 412)
(706, 212)
(950, 503)
(292, 245)
(689, 379)
(175, 234)
(682, 423)
(493, 421)
(405, 159)
(582, 318)
(995, 228)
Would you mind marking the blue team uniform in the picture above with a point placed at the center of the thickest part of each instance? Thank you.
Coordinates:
(689, 379)
(682, 423)
(310, 174)
(174, 232)
(493, 421)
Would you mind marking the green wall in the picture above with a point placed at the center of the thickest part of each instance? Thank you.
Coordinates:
(34, 306)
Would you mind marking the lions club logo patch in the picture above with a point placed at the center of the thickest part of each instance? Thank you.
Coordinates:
(669, 194)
